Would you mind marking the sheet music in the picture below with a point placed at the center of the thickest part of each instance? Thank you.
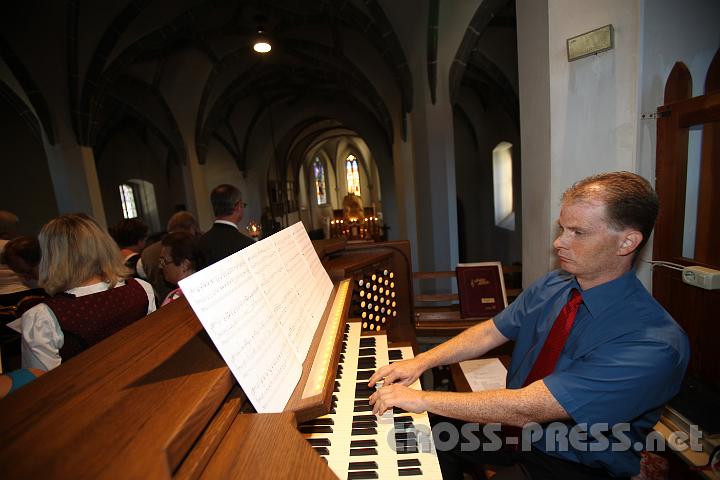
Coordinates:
(484, 374)
(308, 252)
(232, 308)
(308, 308)
(261, 307)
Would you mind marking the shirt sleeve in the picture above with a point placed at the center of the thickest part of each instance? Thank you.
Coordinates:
(508, 321)
(619, 381)
(150, 294)
(140, 269)
(42, 338)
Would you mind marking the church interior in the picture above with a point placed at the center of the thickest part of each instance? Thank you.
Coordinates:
(419, 134)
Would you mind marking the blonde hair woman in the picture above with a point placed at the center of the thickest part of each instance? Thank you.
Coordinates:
(81, 267)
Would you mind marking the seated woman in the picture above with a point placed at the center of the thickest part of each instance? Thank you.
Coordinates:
(82, 269)
(180, 257)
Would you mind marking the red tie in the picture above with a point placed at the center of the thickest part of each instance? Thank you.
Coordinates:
(559, 332)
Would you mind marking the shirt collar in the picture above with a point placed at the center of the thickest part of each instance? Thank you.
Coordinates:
(225, 222)
(604, 296)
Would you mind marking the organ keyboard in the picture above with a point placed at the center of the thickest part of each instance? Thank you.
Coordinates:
(358, 444)
(156, 400)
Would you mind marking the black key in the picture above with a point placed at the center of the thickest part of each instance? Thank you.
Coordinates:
(342, 358)
(406, 449)
(405, 437)
(319, 421)
(339, 369)
(409, 462)
(407, 472)
(363, 431)
(371, 424)
(319, 442)
(355, 452)
(364, 418)
(362, 474)
(322, 450)
(361, 402)
(363, 408)
(362, 466)
(334, 398)
(347, 328)
(366, 352)
(395, 354)
(367, 342)
(337, 387)
(398, 411)
(363, 391)
(365, 374)
(315, 429)
(345, 336)
(403, 419)
(363, 444)
(332, 410)
(366, 364)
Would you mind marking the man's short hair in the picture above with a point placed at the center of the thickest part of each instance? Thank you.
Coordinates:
(22, 255)
(630, 201)
(129, 232)
(182, 222)
(224, 198)
(8, 224)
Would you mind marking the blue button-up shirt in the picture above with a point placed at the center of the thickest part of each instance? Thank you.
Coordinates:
(624, 359)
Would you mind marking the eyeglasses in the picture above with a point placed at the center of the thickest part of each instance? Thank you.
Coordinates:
(162, 261)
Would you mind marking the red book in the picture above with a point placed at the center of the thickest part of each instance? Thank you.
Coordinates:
(481, 289)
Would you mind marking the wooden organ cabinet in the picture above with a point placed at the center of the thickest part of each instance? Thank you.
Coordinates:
(156, 400)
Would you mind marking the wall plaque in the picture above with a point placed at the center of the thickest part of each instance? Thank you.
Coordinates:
(593, 42)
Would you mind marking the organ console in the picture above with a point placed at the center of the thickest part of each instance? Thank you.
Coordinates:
(156, 400)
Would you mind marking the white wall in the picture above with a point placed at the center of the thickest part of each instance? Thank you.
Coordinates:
(592, 111)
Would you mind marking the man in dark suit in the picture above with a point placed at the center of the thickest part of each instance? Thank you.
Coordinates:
(224, 238)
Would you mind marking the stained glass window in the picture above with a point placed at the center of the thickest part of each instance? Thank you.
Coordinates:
(320, 187)
(127, 198)
(352, 175)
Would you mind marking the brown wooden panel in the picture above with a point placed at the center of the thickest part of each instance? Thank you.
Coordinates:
(712, 78)
(266, 447)
(131, 406)
(679, 84)
(670, 184)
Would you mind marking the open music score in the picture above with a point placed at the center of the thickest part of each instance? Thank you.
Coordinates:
(261, 307)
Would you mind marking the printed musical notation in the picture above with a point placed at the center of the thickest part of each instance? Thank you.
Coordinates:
(261, 307)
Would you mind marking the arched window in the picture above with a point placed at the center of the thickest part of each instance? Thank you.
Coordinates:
(353, 175)
(503, 186)
(127, 198)
(320, 187)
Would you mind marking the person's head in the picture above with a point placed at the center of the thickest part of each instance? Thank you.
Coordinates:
(183, 222)
(74, 249)
(8, 224)
(227, 203)
(604, 221)
(130, 233)
(180, 256)
(22, 255)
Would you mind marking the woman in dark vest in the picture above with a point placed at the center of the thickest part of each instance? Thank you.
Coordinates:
(83, 271)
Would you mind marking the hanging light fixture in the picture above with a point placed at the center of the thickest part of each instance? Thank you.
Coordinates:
(261, 42)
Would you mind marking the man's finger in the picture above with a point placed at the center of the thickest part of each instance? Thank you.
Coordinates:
(378, 375)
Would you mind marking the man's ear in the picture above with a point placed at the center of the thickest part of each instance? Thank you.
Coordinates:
(631, 240)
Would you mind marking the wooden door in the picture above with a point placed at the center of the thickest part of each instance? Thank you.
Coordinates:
(695, 309)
